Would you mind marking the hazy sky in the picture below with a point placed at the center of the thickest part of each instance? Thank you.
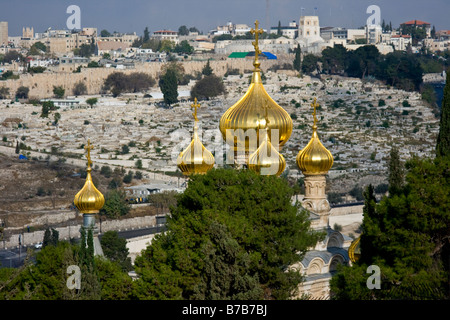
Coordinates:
(135, 15)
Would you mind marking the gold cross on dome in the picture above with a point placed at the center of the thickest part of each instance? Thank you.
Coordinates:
(315, 105)
(195, 106)
(256, 32)
(88, 148)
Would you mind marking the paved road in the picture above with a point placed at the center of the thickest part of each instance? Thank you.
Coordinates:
(14, 257)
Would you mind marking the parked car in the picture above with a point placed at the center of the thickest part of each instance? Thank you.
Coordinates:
(38, 245)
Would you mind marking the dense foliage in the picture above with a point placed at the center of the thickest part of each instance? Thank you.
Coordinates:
(119, 82)
(232, 235)
(408, 236)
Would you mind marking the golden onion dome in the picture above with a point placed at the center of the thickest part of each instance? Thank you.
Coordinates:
(354, 251)
(195, 159)
(314, 159)
(89, 200)
(248, 112)
(266, 160)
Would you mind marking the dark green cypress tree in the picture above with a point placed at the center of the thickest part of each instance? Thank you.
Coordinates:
(54, 237)
(207, 70)
(168, 84)
(297, 59)
(443, 140)
(47, 238)
(396, 172)
(370, 221)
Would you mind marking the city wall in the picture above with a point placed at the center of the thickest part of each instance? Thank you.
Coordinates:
(73, 231)
(41, 84)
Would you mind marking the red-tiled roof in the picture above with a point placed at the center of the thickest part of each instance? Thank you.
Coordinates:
(416, 22)
(165, 31)
(401, 36)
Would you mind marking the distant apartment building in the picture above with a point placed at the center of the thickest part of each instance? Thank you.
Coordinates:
(239, 29)
(116, 44)
(166, 35)
(70, 64)
(3, 33)
(63, 42)
(401, 42)
(289, 31)
(443, 34)
(337, 33)
(437, 45)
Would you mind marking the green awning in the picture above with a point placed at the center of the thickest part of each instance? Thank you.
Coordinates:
(238, 55)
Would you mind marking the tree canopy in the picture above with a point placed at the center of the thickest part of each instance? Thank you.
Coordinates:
(218, 248)
(407, 235)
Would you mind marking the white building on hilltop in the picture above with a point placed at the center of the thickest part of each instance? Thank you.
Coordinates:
(309, 34)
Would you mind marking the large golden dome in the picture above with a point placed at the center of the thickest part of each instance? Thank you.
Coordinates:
(314, 159)
(195, 159)
(89, 200)
(249, 112)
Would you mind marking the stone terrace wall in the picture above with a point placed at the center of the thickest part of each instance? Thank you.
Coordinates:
(41, 84)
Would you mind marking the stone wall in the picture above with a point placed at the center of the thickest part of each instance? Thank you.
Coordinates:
(41, 84)
(73, 231)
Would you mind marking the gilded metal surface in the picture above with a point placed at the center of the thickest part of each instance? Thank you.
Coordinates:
(266, 160)
(195, 159)
(354, 250)
(249, 112)
(89, 200)
(314, 159)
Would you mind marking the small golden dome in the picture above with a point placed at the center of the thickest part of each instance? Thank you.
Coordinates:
(89, 200)
(248, 112)
(314, 159)
(266, 160)
(195, 159)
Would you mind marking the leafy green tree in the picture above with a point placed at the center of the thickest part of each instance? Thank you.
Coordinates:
(334, 59)
(228, 265)
(407, 236)
(115, 284)
(91, 101)
(22, 92)
(400, 70)
(208, 87)
(4, 92)
(443, 140)
(79, 88)
(58, 91)
(115, 249)
(115, 204)
(310, 64)
(363, 61)
(168, 84)
(12, 55)
(105, 33)
(230, 233)
(183, 31)
(118, 82)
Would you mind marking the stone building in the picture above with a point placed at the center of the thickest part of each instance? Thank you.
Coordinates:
(3, 33)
